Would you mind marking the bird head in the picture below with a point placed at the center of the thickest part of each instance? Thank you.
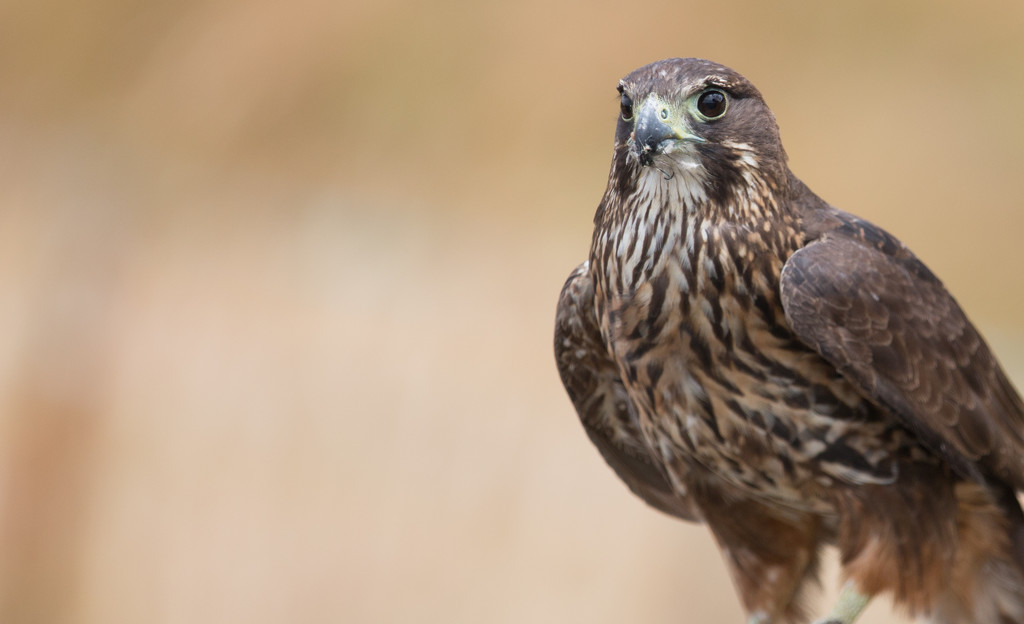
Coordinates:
(698, 124)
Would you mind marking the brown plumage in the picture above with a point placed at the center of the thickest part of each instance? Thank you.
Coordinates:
(745, 355)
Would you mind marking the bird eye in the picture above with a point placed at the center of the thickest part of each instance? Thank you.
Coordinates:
(626, 105)
(712, 104)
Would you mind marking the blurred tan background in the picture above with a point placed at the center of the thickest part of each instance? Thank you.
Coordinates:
(277, 284)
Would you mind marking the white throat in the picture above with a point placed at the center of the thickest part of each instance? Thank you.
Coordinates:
(675, 177)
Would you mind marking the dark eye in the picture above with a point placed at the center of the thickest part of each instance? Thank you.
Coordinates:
(626, 105)
(712, 103)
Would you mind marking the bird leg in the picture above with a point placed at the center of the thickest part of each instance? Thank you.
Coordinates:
(848, 607)
(771, 553)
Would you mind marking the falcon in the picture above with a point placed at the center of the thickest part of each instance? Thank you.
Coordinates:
(745, 355)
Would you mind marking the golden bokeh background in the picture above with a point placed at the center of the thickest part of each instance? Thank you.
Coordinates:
(277, 284)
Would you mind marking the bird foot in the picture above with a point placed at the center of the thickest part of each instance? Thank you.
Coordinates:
(759, 617)
(848, 607)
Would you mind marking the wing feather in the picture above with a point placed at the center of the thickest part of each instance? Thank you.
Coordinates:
(599, 396)
(873, 310)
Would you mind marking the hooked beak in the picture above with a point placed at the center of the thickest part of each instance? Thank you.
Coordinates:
(657, 128)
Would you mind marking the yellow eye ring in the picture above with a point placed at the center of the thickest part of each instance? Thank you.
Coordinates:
(712, 104)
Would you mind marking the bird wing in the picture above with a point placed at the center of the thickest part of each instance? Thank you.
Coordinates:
(592, 380)
(873, 310)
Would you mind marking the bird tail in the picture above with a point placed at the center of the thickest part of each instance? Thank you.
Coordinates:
(987, 582)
